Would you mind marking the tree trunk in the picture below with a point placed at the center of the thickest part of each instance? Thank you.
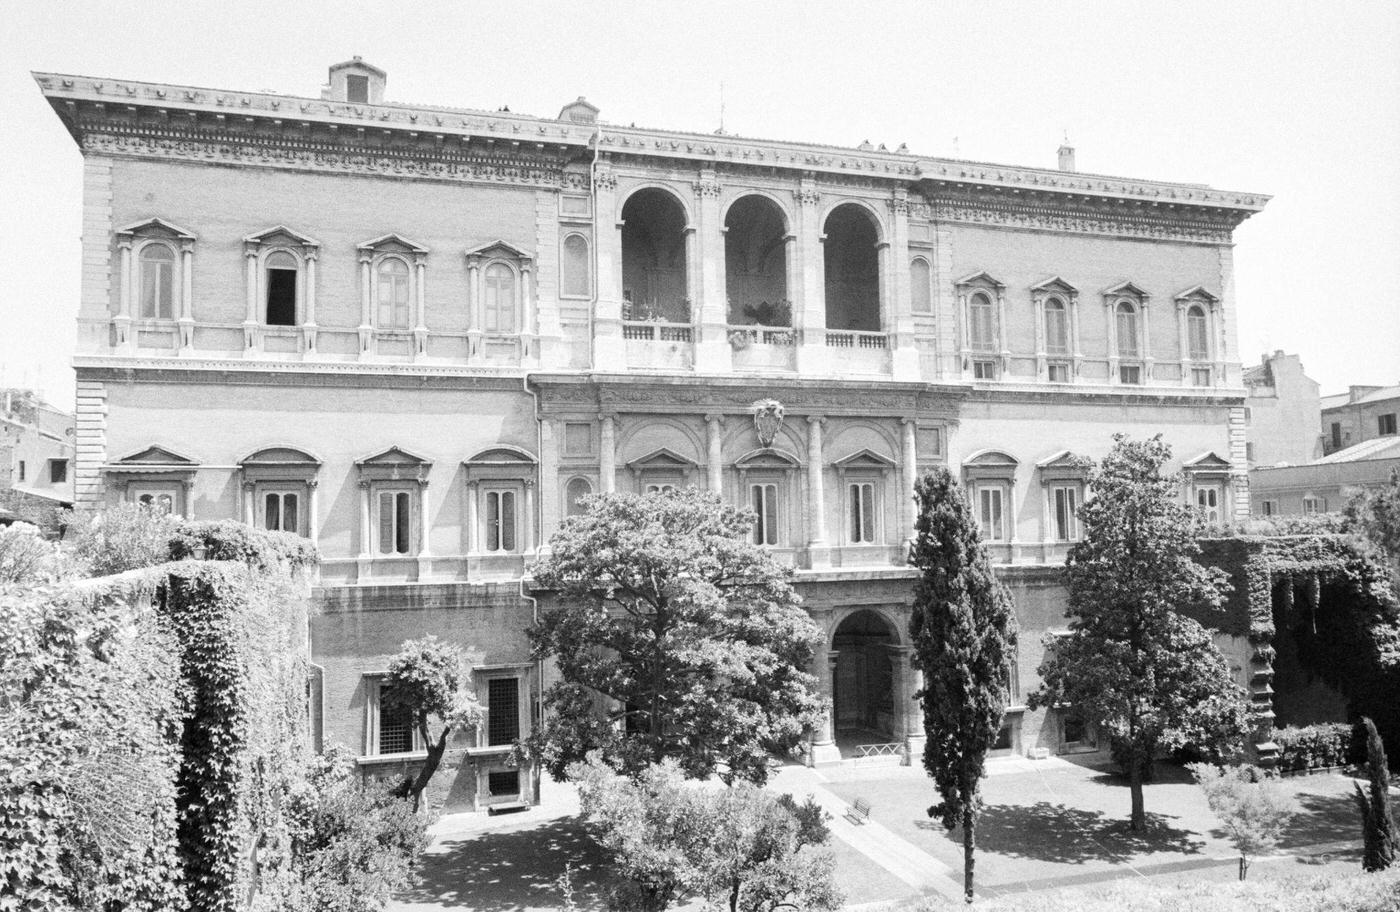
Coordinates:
(969, 841)
(1139, 817)
(1244, 866)
(430, 765)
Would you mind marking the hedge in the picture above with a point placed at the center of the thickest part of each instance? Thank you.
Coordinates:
(1306, 747)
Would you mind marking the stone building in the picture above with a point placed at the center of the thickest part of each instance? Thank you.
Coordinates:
(1361, 413)
(1283, 412)
(36, 453)
(418, 335)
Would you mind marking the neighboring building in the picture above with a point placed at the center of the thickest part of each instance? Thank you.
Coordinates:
(1282, 412)
(36, 451)
(1325, 484)
(1361, 413)
(419, 335)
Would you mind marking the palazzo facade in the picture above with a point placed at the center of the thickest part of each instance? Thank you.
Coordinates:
(419, 335)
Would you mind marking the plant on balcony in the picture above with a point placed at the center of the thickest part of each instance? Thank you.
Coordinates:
(740, 339)
(776, 313)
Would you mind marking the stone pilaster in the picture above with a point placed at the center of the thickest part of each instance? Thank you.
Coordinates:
(608, 348)
(711, 299)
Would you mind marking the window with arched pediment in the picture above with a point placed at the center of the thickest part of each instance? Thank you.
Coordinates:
(1056, 327)
(1126, 323)
(1197, 334)
(155, 276)
(392, 294)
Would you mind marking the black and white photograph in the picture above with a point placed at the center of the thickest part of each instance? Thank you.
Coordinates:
(637, 456)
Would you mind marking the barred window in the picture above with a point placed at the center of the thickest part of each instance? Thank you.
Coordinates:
(502, 711)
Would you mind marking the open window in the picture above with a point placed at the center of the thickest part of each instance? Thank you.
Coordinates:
(852, 259)
(655, 277)
(281, 280)
(393, 486)
(864, 480)
(500, 500)
(755, 262)
(765, 486)
(981, 303)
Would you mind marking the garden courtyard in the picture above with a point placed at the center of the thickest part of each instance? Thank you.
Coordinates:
(1048, 824)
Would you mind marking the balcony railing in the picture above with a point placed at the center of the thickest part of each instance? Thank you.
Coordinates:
(856, 339)
(656, 332)
(746, 335)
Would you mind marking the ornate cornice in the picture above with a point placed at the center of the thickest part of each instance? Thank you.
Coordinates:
(217, 371)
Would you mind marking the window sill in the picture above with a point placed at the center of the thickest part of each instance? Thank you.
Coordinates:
(490, 750)
(376, 759)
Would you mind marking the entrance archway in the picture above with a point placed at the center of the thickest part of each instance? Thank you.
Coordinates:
(755, 262)
(863, 686)
(852, 270)
(654, 281)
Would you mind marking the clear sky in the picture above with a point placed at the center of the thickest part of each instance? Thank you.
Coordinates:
(1300, 101)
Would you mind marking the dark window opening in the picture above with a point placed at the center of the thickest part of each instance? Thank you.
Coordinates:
(58, 471)
(755, 263)
(357, 89)
(502, 711)
(852, 270)
(500, 783)
(281, 297)
(1336, 435)
(1386, 424)
(395, 725)
(654, 284)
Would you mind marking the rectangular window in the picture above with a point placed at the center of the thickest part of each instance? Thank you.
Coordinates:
(394, 522)
(1385, 424)
(1075, 731)
(1130, 373)
(1058, 372)
(281, 297)
(1056, 331)
(658, 487)
(862, 504)
(1336, 435)
(1200, 376)
(1314, 505)
(1208, 503)
(1269, 507)
(991, 519)
(1248, 452)
(157, 287)
(502, 711)
(763, 498)
(500, 521)
(1064, 501)
(395, 735)
(21, 470)
(357, 89)
(393, 297)
(984, 370)
(281, 512)
(58, 471)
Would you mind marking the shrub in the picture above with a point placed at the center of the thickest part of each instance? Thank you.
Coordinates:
(27, 558)
(124, 537)
(1253, 808)
(1314, 746)
(228, 540)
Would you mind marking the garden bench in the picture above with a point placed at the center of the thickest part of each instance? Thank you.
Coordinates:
(859, 812)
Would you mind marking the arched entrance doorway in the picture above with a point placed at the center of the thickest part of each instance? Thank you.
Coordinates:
(863, 685)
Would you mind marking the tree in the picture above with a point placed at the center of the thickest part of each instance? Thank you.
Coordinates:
(1147, 675)
(692, 635)
(124, 537)
(1375, 516)
(1252, 807)
(29, 559)
(964, 632)
(428, 680)
(741, 847)
(1381, 838)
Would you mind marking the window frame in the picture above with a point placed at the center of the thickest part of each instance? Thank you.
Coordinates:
(374, 683)
(1198, 315)
(174, 279)
(982, 491)
(282, 492)
(497, 470)
(873, 509)
(137, 491)
(564, 290)
(1075, 492)
(131, 242)
(1056, 304)
(1386, 424)
(915, 285)
(377, 270)
(987, 306)
(1200, 491)
(1134, 312)
(395, 489)
(516, 309)
(767, 530)
(499, 490)
(62, 476)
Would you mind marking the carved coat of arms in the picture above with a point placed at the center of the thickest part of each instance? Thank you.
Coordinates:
(767, 420)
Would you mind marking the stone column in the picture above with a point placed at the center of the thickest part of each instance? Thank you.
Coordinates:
(714, 459)
(1147, 358)
(904, 357)
(712, 352)
(911, 707)
(910, 470)
(823, 748)
(1183, 342)
(308, 322)
(608, 348)
(250, 505)
(1111, 317)
(818, 553)
(186, 296)
(474, 318)
(366, 328)
(420, 320)
(425, 528)
(250, 315)
(1074, 336)
(809, 310)
(313, 523)
(473, 524)
(365, 545)
(607, 454)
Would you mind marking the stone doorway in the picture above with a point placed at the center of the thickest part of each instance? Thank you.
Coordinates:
(863, 682)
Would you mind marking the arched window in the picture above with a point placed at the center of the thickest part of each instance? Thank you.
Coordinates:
(499, 299)
(393, 294)
(578, 489)
(1197, 334)
(1127, 323)
(281, 286)
(983, 323)
(1056, 327)
(157, 282)
(920, 285)
(576, 280)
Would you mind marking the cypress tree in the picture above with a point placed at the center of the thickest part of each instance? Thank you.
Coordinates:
(964, 634)
(1377, 822)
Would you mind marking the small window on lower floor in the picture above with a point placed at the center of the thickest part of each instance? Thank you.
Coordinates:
(1200, 376)
(58, 471)
(1058, 373)
(1130, 374)
(1269, 507)
(501, 783)
(395, 734)
(1313, 504)
(984, 370)
(160, 501)
(21, 470)
(763, 498)
(1076, 732)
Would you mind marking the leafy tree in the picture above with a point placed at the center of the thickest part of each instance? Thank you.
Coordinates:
(429, 680)
(1380, 835)
(740, 847)
(1252, 807)
(28, 559)
(1375, 515)
(691, 633)
(1148, 676)
(964, 631)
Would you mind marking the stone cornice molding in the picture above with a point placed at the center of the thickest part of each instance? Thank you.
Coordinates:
(294, 373)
